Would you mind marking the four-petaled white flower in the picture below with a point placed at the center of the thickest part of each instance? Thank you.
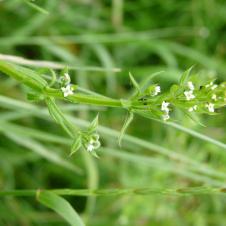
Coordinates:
(194, 108)
(214, 87)
(157, 90)
(189, 95)
(214, 97)
(67, 90)
(164, 106)
(190, 85)
(210, 107)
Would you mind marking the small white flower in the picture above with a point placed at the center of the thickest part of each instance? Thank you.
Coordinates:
(157, 90)
(67, 90)
(208, 85)
(90, 147)
(214, 87)
(190, 85)
(166, 117)
(93, 144)
(189, 95)
(210, 107)
(214, 97)
(164, 106)
(194, 108)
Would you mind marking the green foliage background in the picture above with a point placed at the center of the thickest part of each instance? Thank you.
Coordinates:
(93, 37)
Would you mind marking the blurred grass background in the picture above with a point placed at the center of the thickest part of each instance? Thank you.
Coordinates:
(94, 37)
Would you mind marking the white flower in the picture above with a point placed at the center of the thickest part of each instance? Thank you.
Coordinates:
(166, 117)
(157, 90)
(67, 90)
(90, 147)
(164, 106)
(214, 87)
(214, 97)
(93, 144)
(194, 108)
(208, 85)
(189, 95)
(210, 107)
(190, 85)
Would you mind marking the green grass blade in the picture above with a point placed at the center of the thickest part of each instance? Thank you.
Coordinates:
(42, 151)
(36, 7)
(60, 206)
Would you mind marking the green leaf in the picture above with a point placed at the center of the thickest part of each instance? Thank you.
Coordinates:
(64, 71)
(127, 122)
(53, 79)
(37, 8)
(174, 90)
(185, 76)
(60, 206)
(93, 153)
(146, 82)
(94, 124)
(24, 75)
(192, 117)
(58, 116)
(77, 143)
(135, 84)
(35, 97)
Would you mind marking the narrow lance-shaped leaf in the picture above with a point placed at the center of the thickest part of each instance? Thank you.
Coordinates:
(64, 71)
(185, 76)
(192, 117)
(136, 85)
(24, 75)
(60, 206)
(36, 7)
(127, 122)
(53, 77)
(77, 143)
(58, 116)
(146, 82)
(94, 124)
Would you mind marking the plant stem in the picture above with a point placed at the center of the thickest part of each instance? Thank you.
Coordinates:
(84, 99)
(106, 192)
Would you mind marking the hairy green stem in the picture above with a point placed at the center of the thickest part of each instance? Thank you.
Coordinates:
(84, 99)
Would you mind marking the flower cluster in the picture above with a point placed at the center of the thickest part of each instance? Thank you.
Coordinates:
(166, 110)
(189, 93)
(67, 89)
(210, 89)
(210, 106)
